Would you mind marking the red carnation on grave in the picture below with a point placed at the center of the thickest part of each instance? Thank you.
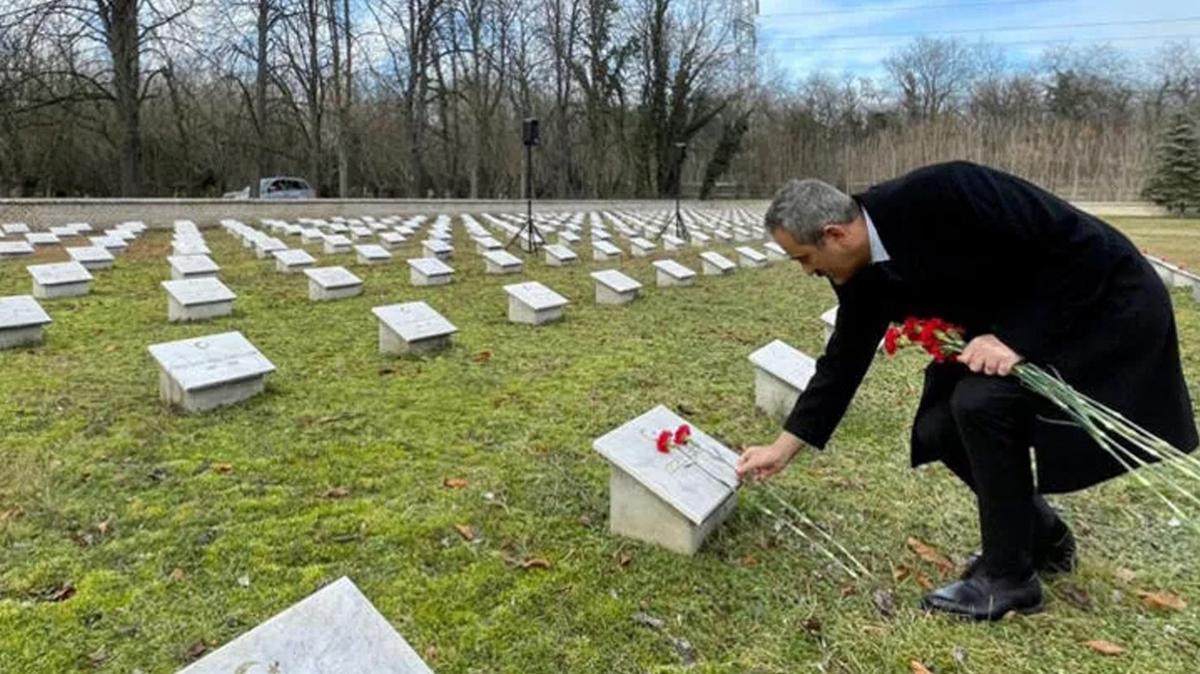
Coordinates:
(683, 434)
(911, 327)
(664, 442)
(889, 340)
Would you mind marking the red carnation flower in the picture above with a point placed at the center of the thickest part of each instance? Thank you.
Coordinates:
(682, 434)
(889, 340)
(912, 327)
(664, 442)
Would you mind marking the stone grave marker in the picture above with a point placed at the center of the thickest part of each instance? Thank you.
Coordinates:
(713, 263)
(192, 266)
(332, 283)
(336, 630)
(372, 254)
(532, 303)
(429, 271)
(437, 248)
(391, 240)
(558, 255)
(775, 252)
(336, 244)
(197, 299)
(293, 260)
(185, 247)
(671, 242)
(674, 499)
(640, 247)
(204, 373)
(14, 228)
(781, 373)
(568, 238)
(669, 273)
(112, 244)
(42, 239)
(412, 327)
(502, 262)
(266, 248)
(700, 239)
(22, 321)
(60, 279)
(613, 287)
(750, 258)
(12, 249)
(93, 258)
(603, 251)
(484, 244)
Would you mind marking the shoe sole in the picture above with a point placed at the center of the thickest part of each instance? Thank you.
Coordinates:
(1028, 610)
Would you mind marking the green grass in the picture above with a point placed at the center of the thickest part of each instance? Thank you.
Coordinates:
(85, 440)
(1175, 239)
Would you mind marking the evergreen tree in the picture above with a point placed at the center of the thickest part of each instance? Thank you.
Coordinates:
(1175, 182)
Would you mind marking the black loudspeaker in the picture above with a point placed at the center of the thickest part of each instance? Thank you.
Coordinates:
(530, 131)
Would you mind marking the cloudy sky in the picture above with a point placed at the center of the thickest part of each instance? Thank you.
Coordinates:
(853, 36)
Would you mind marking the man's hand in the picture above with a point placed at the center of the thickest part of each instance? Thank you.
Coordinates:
(766, 460)
(989, 355)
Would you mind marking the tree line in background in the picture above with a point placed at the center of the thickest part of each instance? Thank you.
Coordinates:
(421, 98)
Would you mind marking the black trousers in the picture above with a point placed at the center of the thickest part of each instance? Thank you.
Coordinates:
(983, 431)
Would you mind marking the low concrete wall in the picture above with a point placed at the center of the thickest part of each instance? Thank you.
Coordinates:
(158, 213)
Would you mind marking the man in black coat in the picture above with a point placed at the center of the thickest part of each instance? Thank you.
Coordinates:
(1029, 277)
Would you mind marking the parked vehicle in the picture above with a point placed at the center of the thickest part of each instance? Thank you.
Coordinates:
(277, 187)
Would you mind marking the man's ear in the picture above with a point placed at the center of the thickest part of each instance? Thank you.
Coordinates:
(835, 232)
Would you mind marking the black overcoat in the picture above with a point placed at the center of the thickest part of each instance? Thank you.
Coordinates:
(996, 254)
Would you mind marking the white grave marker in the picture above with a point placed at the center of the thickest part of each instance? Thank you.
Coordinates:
(603, 251)
(332, 283)
(437, 248)
(41, 239)
(775, 252)
(429, 271)
(713, 263)
(335, 244)
(11, 249)
(391, 240)
(558, 255)
(21, 321)
(532, 303)
(413, 327)
(484, 244)
(674, 500)
(781, 373)
(372, 254)
(192, 266)
(293, 260)
(207, 372)
(640, 247)
(93, 258)
(197, 299)
(334, 631)
(502, 262)
(750, 258)
(669, 273)
(60, 279)
(613, 287)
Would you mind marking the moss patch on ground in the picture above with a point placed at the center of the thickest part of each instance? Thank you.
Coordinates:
(178, 533)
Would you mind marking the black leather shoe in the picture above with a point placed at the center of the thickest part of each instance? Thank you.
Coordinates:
(1057, 556)
(981, 597)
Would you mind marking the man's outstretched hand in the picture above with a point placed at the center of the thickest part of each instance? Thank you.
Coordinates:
(989, 355)
(763, 461)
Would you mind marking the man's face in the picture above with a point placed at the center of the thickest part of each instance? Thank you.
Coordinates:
(837, 256)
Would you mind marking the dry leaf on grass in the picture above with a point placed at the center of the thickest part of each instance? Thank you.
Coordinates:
(454, 483)
(223, 468)
(12, 514)
(1163, 600)
(482, 357)
(336, 492)
(178, 574)
(465, 531)
(931, 555)
(1125, 575)
(919, 667)
(104, 527)
(197, 649)
(1105, 647)
(536, 563)
(62, 593)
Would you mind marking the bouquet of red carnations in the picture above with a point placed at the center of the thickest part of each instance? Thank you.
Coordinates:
(1109, 428)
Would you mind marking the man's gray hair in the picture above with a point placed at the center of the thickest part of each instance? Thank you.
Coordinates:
(804, 207)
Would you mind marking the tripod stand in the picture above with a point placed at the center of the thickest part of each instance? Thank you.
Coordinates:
(534, 239)
(681, 230)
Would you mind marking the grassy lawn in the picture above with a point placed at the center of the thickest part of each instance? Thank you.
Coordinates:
(179, 533)
(1175, 239)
